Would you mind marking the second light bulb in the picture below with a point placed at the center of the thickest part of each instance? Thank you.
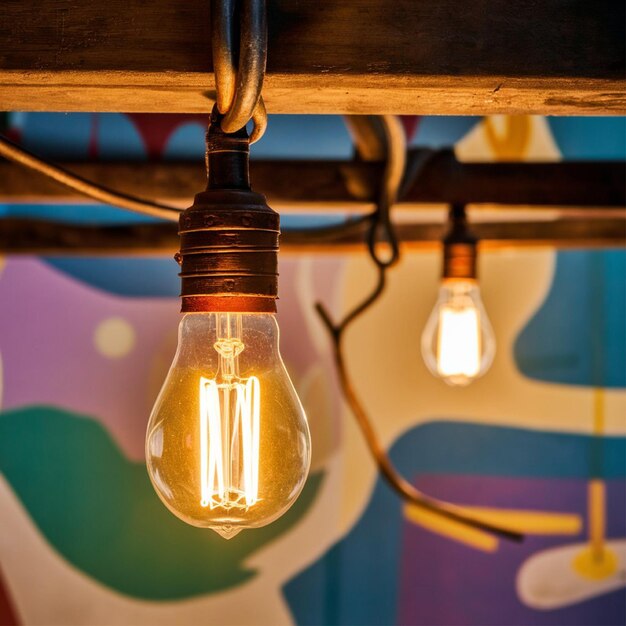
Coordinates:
(458, 342)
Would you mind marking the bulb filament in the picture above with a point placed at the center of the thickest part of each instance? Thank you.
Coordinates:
(229, 427)
(458, 341)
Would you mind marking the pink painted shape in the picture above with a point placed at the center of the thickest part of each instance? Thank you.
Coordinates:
(47, 326)
(156, 130)
(411, 124)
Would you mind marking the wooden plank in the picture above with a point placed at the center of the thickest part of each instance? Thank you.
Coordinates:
(581, 183)
(348, 185)
(359, 57)
(26, 236)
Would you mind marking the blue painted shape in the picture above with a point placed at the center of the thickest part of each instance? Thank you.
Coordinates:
(57, 135)
(287, 137)
(82, 214)
(130, 277)
(139, 277)
(118, 138)
(186, 143)
(437, 131)
(304, 136)
(578, 335)
(595, 138)
(67, 135)
(356, 581)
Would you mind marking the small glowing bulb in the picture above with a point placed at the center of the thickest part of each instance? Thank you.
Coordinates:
(228, 444)
(458, 343)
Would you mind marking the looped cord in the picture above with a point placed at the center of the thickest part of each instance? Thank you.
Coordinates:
(380, 226)
(381, 229)
(239, 77)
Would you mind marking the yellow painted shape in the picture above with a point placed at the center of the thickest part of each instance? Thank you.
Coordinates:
(513, 143)
(589, 564)
(529, 522)
(598, 411)
(596, 490)
(449, 528)
(596, 510)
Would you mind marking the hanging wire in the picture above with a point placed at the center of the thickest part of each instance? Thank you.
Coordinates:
(381, 230)
(13, 152)
(106, 195)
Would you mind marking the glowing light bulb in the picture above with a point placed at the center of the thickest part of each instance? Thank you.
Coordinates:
(458, 343)
(228, 444)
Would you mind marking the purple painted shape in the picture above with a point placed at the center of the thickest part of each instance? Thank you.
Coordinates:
(446, 583)
(47, 326)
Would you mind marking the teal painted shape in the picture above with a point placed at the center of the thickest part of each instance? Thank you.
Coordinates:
(81, 214)
(99, 511)
(596, 138)
(578, 335)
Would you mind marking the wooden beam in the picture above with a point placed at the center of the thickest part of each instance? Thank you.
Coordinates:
(26, 236)
(348, 185)
(360, 57)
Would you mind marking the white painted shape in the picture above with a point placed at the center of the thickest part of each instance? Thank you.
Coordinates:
(548, 581)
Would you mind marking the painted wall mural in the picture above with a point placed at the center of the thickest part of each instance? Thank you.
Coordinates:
(539, 443)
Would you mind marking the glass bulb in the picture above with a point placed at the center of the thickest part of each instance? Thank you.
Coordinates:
(458, 343)
(228, 444)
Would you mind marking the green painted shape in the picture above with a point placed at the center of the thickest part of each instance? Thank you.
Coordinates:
(98, 509)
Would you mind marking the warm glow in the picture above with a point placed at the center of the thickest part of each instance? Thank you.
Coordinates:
(229, 443)
(458, 342)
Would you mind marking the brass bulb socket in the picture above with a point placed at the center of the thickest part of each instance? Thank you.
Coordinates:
(229, 253)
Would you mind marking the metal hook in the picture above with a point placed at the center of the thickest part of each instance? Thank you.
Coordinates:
(239, 81)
